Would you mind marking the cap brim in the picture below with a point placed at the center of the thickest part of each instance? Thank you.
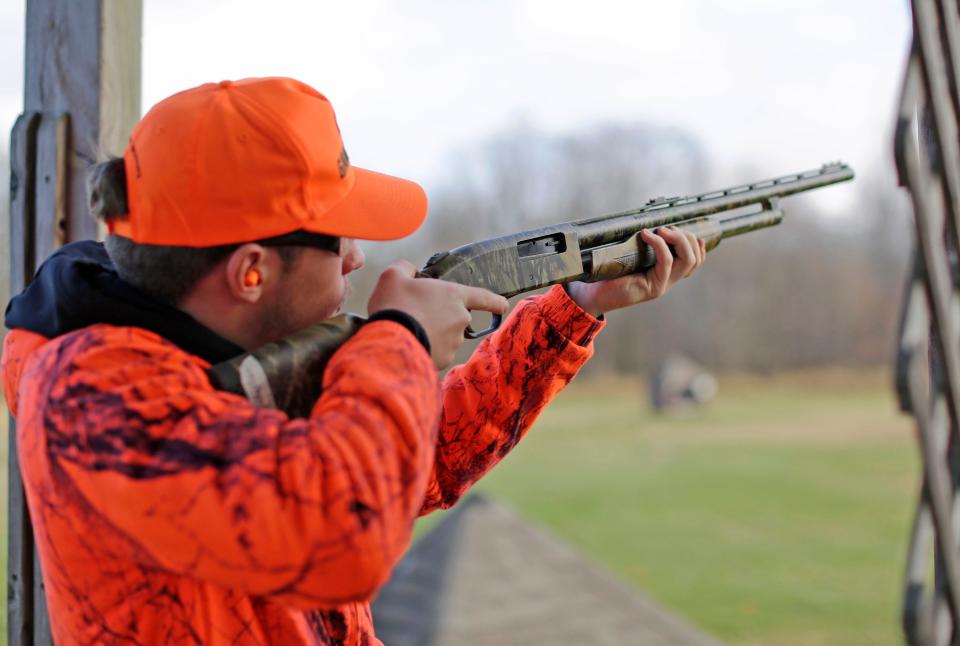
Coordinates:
(379, 207)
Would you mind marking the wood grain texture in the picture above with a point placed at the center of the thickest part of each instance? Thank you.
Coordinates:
(42, 635)
(52, 184)
(83, 58)
(63, 76)
(120, 62)
(20, 548)
(23, 153)
(49, 219)
(81, 100)
(20, 554)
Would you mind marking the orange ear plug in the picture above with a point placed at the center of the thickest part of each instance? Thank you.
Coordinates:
(252, 278)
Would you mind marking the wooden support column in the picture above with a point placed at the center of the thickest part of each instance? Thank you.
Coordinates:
(81, 100)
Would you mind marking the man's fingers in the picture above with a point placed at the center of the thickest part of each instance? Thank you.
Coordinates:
(664, 266)
(697, 253)
(687, 252)
(699, 250)
(694, 248)
(682, 244)
(476, 298)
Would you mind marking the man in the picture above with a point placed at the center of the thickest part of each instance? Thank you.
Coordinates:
(166, 511)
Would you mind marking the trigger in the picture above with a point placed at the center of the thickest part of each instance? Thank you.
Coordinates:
(496, 320)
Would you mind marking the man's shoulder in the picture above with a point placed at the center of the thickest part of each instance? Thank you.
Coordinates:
(111, 343)
(107, 357)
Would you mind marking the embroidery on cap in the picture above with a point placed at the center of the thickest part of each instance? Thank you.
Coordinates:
(136, 159)
(343, 163)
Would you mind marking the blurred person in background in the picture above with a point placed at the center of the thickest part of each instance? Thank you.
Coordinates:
(167, 511)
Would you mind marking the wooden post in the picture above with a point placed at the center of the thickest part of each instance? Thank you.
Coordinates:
(81, 100)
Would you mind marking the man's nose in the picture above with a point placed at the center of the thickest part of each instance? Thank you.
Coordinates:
(353, 258)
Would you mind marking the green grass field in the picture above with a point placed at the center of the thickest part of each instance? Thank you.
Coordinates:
(777, 515)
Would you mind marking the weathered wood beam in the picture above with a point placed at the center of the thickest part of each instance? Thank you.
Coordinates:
(23, 154)
(81, 100)
(83, 59)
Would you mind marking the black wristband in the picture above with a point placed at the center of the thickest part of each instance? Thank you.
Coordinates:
(407, 321)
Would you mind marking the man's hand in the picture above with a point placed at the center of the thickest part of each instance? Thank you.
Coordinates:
(441, 307)
(607, 295)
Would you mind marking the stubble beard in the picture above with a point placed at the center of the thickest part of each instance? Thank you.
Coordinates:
(279, 323)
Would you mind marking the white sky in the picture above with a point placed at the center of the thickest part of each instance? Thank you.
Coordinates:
(776, 85)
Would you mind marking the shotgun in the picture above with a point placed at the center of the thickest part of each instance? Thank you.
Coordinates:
(287, 374)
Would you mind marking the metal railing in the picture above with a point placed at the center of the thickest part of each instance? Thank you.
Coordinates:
(927, 149)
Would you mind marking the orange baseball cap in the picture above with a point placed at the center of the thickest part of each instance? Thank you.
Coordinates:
(239, 161)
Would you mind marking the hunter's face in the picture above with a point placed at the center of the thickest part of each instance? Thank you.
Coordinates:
(313, 288)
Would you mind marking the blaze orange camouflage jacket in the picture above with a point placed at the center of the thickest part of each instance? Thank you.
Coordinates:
(169, 512)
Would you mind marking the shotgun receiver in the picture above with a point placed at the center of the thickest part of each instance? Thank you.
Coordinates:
(287, 374)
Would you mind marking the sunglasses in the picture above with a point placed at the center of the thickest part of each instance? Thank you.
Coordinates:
(303, 239)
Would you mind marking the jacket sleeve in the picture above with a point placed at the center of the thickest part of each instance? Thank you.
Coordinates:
(490, 402)
(314, 512)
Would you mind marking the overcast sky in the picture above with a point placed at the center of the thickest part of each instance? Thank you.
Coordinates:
(778, 85)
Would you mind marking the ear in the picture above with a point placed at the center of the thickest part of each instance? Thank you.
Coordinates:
(246, 262)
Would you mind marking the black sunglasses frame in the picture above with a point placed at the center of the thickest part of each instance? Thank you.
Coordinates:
(303, 238)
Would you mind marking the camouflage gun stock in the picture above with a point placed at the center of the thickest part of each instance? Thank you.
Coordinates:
(287, 374)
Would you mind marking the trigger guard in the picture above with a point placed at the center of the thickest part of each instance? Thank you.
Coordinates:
(496, 320)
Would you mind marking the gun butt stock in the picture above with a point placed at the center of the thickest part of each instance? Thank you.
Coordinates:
(286, 374)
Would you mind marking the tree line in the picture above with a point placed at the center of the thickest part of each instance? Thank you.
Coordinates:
(815, 291)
